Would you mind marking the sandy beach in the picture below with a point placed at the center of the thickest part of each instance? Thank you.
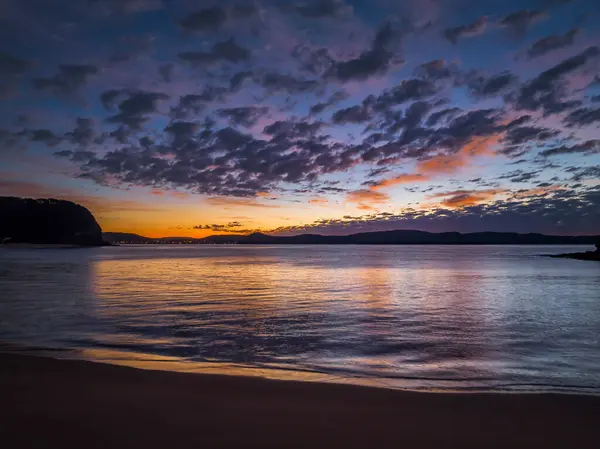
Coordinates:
(74, 404)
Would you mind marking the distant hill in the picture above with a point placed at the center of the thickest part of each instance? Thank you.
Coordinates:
(124, 237)
(47, 221)
(369, 238)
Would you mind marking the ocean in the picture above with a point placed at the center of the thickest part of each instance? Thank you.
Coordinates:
(434, 318)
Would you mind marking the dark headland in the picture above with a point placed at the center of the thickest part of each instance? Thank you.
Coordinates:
(47, 222)
(587, 255)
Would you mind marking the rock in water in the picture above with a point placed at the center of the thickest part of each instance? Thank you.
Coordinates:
(47, 221)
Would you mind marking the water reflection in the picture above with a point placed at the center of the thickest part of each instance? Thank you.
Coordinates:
(480, 314)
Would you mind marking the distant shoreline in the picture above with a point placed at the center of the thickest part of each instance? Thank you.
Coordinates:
(398, 237)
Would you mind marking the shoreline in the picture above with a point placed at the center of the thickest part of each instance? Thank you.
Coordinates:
(75, 403)
(411, 384)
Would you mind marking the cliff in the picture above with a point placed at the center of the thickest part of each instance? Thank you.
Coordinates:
(47, 221)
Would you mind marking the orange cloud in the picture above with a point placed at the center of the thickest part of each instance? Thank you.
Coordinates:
(157, 192)
(179, 195)
(319, 201)
(446, 163)
(367, 199)
(462, 198)
(231, 202)
(405, 178)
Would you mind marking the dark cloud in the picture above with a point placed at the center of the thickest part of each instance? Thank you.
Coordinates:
(354, 114)
(550, 43)
(113, 7)
(45, 136)
(275, 82)
(520, 176)
(582, 117)
(221, 51)
(407, 90)
(191, 105)
(84, 133)
(331, 101)
(547, 90)
(482, 86)
(583, 173)
(519, 21)
(207, 19)
(373, 62)
(322, 9)
(238, 79)
(231, 227)
(440, 116)
(436, 70)
(244, 115)
(166, 72)
(68, 79)
(316, 61)
(222, 162)
(470, 30)
(212, 19)
(181, 133)
(13, 65)
(586, 148)
(134, 110)
(519, 135)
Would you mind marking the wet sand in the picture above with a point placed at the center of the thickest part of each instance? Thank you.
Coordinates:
(78, 404)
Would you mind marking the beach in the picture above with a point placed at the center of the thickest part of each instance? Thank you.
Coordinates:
(72, 404)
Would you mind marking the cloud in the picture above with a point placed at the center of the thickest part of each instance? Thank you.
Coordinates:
(436, 70)
(246, 116)
(233, 227)
(367, 199)
(113, 7)
(462, 198)
(322, 9)
(319, 201)
(551, 43)
(406, 178)
(547, 91)
(353, 114)
(229, 203)
(482, 86)
(519, 21)
(68, 80)
(191, 105)
(443, 115)
(207, 19)
(133, 111)
(582, 117)
(519, 135)
(331, 101)
(373, 62)
(275, 82)
(221, 51)
(473, 29)
(586, 148)
(544, 210)
(13, 65)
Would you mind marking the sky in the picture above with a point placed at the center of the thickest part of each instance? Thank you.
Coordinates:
(193, 117)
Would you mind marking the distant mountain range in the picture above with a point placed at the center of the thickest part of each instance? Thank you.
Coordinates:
(366, 238)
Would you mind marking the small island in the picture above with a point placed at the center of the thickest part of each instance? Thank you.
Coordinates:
(587, 255)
